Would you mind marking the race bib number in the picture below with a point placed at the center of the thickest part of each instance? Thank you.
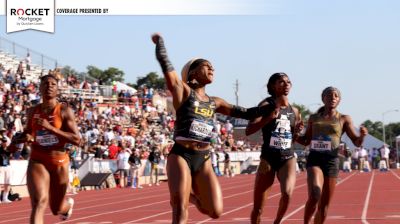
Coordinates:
(283, 123)
(200, 129)
(321, 145)
(280, 143)
(44, 138)
(281, 137)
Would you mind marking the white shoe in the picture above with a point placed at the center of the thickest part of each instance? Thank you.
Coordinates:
(150, 185)
(6, 201)
(66, 216)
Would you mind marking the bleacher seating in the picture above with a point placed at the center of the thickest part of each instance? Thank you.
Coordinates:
(10, 61)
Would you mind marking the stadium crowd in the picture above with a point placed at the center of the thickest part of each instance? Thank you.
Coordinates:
(134, 126)
(131, 129)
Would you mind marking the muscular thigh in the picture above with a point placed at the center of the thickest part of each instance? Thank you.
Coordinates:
(179, 178)
(315, 178)
(265, 176)
(287, 175)
(38, 180)
(206, 187)
(58, 184)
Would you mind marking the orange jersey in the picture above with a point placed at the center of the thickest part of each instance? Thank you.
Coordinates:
(45, 139)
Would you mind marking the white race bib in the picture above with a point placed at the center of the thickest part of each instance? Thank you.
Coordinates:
(47, 140)
(280, 143)
(321, 145)
(200, 129)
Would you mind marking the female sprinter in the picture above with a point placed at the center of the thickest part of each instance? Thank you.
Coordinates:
(190, 173)
(50, 125)
(277, 155)
(323, 134)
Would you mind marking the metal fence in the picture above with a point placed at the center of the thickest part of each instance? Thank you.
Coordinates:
(20, 52)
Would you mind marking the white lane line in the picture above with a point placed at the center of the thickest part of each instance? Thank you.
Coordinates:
(366, 203)
(169, 211)
(393, 216)
(395, 174)
(247, 205)
(301, 207)
(230, 196)
(95, 205)
(111, 212)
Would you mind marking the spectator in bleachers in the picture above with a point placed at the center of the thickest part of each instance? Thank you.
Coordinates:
(123, 166)
(354, 159)
(28, 61)
(136, 164)
(375, 158)
(2, 120)
(347, 160)
(228, 127)
(384, 152)
(154, 159)
(113, 149)
(20, 69)
(227, 165)
(362, 158)
(18, 127)
(5, 170)
(215, 162)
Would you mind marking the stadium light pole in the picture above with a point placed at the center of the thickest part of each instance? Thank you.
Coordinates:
(383, 124)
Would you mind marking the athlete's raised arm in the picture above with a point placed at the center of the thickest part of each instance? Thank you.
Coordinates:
(180, 90)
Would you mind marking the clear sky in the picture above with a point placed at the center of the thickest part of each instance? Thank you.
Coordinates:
(353, 46)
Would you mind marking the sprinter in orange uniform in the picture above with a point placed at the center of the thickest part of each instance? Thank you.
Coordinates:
(50, 125)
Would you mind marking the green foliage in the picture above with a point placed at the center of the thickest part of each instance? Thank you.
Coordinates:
(304, 111)
(391, 131)
(106, 76)
(151, 80)
(67, 71)
(374, 128)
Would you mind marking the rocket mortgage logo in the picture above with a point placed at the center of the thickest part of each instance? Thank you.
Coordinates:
(30, 14)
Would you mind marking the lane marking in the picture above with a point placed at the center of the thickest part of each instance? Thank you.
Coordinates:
(239, 208)
(393, 216)
(191, 206)
(365, 209)
(111, 212)
(395, 174)
(301, 207)
(149, 194)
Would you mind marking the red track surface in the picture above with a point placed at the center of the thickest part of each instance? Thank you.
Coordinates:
(359, 198)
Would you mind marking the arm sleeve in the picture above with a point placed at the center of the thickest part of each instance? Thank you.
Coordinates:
(253, 112)
(162, 56)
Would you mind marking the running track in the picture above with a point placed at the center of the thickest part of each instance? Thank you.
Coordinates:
(372, 197)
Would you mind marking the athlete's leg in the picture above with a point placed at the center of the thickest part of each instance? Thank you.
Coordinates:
(156, 174)
(207, 192)
(287, 179)
(122, 178)
(327, 194)
(315, 182)
(58, 188)
(264, 180)
(38, 181)
(179, 183)
(151, 174)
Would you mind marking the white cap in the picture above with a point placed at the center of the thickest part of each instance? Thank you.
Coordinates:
(185, 70)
